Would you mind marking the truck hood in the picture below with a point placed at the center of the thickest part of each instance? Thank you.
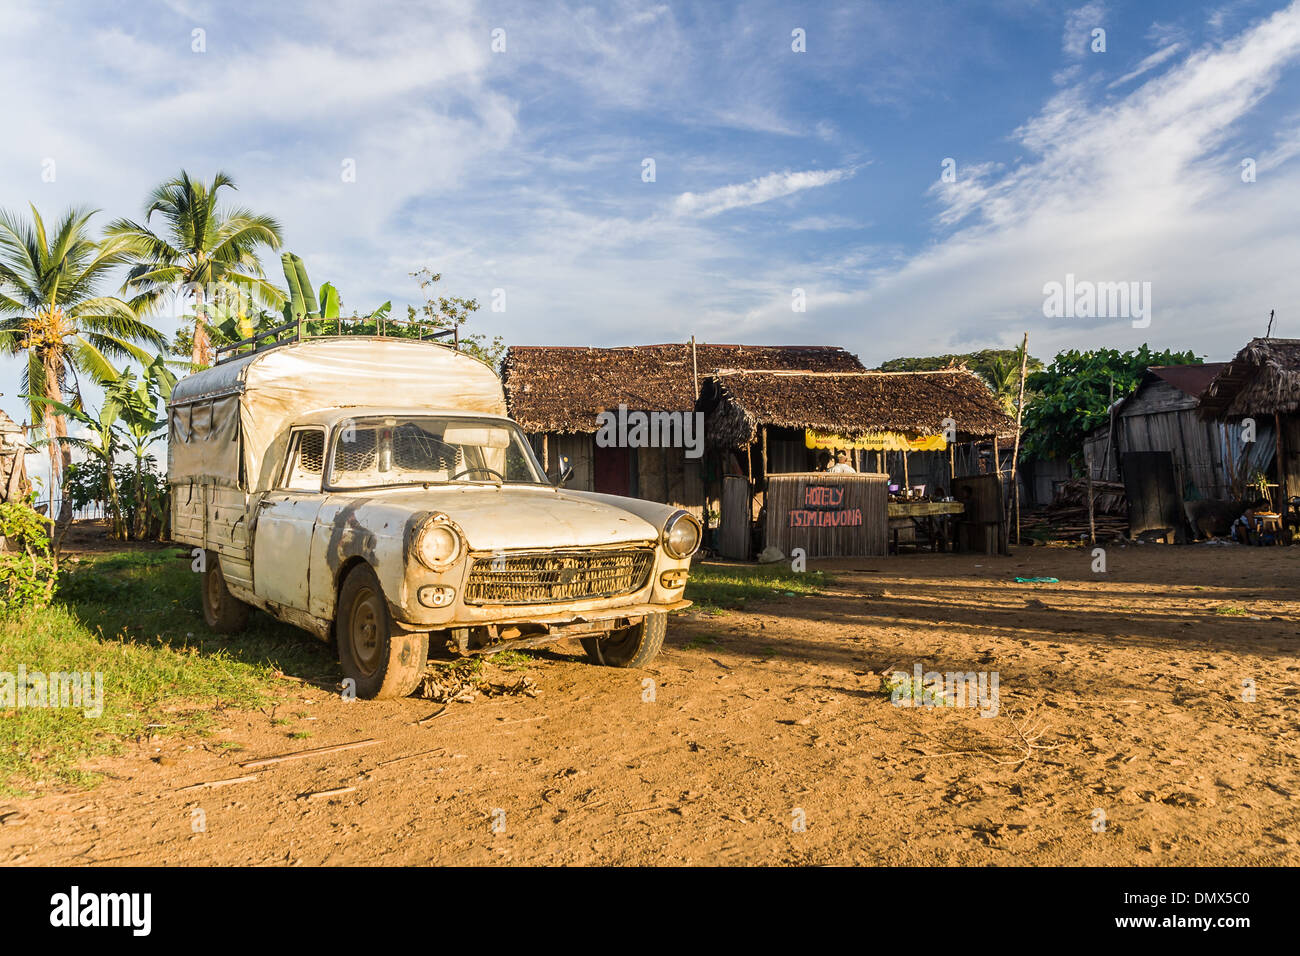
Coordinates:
(515, 518)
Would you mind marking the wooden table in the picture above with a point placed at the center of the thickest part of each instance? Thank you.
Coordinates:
(933, 516)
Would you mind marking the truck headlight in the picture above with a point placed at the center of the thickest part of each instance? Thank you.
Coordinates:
(438, 544)
(681, 535)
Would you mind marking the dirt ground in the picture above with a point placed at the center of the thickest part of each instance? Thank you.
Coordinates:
(768, 740)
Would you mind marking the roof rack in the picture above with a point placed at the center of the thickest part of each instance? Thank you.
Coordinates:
(301, 329)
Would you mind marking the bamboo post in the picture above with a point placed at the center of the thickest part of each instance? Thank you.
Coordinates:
(763, 438)
(907, 481)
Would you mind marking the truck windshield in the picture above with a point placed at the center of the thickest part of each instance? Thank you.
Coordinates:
(401, 450)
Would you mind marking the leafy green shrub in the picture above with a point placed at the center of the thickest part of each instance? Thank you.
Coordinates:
(28, 570)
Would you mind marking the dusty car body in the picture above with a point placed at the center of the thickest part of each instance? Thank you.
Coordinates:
(373, 492)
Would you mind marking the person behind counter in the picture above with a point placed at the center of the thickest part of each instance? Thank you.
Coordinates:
(842, 466)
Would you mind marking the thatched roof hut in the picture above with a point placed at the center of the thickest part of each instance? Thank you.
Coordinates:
(13, 447)
(852, 404)
(563, 388)
(1263, 379)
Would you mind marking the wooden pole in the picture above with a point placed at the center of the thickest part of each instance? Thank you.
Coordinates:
(1280, 455)
(1092, 524)
(695, 369)
(907, 482)
(546, 453)
(749, 473)
(763, 438)
(1020, 411)
(997, 470)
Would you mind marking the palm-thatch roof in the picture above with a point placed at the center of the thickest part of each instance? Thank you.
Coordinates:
(564, 388)
(1263, 379)
(852, 404)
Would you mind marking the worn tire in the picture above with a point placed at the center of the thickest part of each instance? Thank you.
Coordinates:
(222, 611)
(634, 646)
(382, 659)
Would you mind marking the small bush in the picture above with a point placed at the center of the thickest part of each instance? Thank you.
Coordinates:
(28, 570)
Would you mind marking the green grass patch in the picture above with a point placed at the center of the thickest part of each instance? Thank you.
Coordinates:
(511, 660)
(718, 587)
(134, 617)
(1228, 610)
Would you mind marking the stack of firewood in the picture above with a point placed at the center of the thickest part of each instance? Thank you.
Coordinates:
(1066, 518)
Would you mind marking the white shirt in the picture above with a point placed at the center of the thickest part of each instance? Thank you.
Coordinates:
(841, 468)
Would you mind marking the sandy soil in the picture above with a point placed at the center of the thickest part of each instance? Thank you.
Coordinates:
(1120, 693)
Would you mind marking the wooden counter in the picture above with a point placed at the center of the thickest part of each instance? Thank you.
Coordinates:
(828, 515)
(925, 509)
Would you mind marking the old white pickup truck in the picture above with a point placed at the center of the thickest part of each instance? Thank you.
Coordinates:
(373, 492)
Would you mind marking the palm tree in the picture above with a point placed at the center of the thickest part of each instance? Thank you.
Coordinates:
(49, 310)
(1004, 379)
(202, 245)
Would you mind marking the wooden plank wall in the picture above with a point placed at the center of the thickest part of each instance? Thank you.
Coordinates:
(1154, 499)
(733, 531)
(684, 487)
(862, 496)
(1197, 447)
(580, 450)
(667, 475)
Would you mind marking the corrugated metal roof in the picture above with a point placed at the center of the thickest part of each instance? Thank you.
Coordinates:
(1192, 379)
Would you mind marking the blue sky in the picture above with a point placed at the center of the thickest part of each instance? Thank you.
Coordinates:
(774, 170)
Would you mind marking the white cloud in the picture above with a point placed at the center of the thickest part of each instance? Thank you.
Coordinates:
(1147, 64)
(1076, 39)
(754, 192)
(825, 223)
(1144, 188)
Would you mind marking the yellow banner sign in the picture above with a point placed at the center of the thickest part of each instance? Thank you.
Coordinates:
(876, 441)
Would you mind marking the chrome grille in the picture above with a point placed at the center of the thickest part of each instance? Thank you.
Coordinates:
(544, 577)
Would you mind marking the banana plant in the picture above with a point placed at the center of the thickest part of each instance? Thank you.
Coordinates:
(303, 304)
(101, 444)
(138, 406)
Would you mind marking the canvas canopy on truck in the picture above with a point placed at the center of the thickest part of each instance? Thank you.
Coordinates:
(222, 420)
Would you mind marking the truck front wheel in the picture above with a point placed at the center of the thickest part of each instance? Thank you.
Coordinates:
(634, 646)
(222, 611)
(382, 660)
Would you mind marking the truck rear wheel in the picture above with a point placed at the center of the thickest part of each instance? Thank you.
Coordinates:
(222, 611)
(382, 659)
(634, 646)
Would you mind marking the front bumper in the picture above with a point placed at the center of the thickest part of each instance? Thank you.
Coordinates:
(546, 629)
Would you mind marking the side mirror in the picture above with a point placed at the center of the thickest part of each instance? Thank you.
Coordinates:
(566, 472)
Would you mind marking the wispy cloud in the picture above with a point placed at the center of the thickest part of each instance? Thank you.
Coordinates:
(1146, 65)
(754, 192)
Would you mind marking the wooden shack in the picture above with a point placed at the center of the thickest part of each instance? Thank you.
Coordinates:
(1261, 386)
(1163, 415)
(556, 393)
(768, 425)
